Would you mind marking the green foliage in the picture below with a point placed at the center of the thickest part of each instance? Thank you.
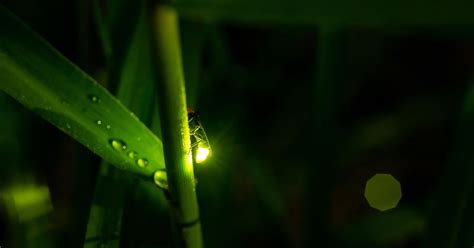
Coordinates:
(135, 89)
(450, 223)
(278, 171)
(47, 83)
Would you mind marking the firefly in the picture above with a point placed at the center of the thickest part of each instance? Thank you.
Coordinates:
(200, 146)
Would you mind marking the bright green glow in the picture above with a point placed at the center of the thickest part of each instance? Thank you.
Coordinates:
(383, 192)
(202, 154)
(26, 202)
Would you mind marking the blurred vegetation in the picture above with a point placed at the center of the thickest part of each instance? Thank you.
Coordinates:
(303, 102)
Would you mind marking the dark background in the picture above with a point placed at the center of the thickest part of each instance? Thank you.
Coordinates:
(291, 158)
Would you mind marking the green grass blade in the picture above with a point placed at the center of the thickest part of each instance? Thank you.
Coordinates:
(136, 88)
(105, 217)
(451, 220)
(324, 151)
(44, 81)
(102, 30)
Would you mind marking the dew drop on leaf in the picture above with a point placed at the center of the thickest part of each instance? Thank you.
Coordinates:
(99, 122)
(118, 145)
(142, 162)
(132, 154)
(161, 179)
(94, 98)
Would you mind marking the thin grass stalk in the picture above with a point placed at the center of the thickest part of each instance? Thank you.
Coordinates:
(175, 130)
(325, 134)
(103, 32)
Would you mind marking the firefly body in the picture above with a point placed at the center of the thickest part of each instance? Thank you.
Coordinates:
(200, 146)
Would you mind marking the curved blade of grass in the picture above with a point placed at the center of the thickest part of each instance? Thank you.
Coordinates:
(136, 88)
(44, 81)
(102, 30)
(451, 222)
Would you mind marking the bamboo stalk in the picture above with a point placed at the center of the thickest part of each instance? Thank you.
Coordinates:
(175, 130)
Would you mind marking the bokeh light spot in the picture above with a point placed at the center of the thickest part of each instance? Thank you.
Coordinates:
(383, 192)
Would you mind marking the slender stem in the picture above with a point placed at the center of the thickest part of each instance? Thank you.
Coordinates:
(103, 32)
(329, 79)
(175, 130)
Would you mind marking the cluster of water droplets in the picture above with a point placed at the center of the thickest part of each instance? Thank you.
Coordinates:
(121, 146)
(117, 144)
(159, 177)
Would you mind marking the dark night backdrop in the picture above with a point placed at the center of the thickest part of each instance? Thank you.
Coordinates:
(286, 172)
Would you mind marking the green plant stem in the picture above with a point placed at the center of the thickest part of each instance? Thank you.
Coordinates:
(325, 134)
(175, 130)
(103, 32)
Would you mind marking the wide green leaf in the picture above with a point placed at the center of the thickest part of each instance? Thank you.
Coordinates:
(44, 81)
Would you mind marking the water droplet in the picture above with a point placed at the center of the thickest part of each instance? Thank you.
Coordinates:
(132, 154)
(142, 162)
(118, 145)
(108, 126)
(99, 122)
(94, 98)
(160, 179)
